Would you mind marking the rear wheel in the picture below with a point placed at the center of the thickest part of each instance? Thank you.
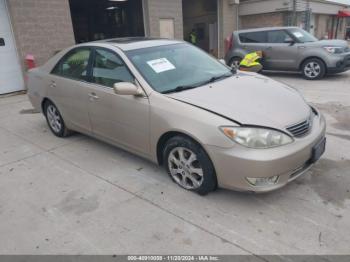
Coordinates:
(313, 69)
(235, 62)
(189, 166)
(55, 120)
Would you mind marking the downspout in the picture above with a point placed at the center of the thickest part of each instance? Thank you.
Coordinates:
(237, 16)
(337, 27)
(145, 12)
(332, 29)
(220, 26)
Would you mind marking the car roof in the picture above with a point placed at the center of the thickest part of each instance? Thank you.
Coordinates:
(267, 29)
(132, 43)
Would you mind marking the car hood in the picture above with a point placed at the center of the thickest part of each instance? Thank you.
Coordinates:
(332, 42)
(249, 99)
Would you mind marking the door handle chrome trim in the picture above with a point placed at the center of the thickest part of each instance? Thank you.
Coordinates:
(93, 96)
(53, 84)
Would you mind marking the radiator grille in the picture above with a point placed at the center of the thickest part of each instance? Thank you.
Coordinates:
(300, 129)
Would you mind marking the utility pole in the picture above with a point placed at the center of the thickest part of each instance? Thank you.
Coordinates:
(294, 12)
(307, 16)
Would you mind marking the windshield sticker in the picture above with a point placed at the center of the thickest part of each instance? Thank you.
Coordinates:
(298, 34)
(161, 65)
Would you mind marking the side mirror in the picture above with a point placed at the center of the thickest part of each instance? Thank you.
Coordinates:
(290, 42)
(127, 89)
(222, 61)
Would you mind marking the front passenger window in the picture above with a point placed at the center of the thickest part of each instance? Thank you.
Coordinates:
(109, 69)
(278, 36)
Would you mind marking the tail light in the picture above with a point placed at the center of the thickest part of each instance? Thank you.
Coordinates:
(228, 43)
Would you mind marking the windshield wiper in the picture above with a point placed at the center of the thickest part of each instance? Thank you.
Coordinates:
(216, 78)
(181, 88)
(187, 87)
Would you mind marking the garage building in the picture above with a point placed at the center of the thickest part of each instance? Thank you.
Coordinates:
(43, 27)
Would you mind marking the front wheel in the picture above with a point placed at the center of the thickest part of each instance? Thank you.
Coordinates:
(313, 69)
(189, 166)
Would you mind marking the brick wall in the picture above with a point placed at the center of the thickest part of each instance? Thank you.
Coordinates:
(156, 9)
(261, 20)
(41, 27)
(227, 22)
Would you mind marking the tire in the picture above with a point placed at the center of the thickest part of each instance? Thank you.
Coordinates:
(189, 166)
(234, 62)
(313, 69)
(55, 120)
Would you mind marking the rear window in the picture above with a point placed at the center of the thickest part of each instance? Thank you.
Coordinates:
(253, 37)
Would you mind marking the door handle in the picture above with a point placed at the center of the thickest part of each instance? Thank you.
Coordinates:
(53, 84)
(93, 96)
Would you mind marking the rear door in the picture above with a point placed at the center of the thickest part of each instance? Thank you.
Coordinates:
(67, 88)
(254, 41)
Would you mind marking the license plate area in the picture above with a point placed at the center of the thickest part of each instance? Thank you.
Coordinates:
(318, 150)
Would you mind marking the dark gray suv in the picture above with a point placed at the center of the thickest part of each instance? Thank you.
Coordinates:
(290, 49)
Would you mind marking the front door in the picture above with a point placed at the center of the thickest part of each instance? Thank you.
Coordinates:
(11, 78)
(123, 120)
(280, 53)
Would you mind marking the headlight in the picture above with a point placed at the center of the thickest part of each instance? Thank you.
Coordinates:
(334, 49)
(256, 137)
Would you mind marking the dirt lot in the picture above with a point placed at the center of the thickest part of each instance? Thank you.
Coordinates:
(82, 196)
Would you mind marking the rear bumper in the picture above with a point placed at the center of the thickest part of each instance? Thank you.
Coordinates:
(35, 100)
(235, 164)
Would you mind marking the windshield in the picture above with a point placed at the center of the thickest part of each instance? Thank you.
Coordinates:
(302, 35)
(177, 67)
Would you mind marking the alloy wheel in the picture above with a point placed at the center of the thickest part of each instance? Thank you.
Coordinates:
(185, 168)
(312, 69)
(54, 118)
(235, 63)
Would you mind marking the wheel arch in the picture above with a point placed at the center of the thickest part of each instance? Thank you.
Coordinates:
(165, 137)
(312, 57)
(43, 102)
(168, 135)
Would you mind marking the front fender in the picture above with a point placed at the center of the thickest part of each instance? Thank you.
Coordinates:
(170, 115)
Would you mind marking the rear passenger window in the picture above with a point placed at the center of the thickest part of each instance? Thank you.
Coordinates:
(109, 68)
(278, 36)
(74, 65)
(253, 37)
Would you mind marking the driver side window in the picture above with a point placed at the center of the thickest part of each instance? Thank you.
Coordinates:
(108, 69)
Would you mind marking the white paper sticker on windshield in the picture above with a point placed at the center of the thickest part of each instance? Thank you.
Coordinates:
(161, 65)
(298, 34)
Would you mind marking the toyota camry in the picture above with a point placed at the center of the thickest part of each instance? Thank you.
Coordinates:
(168, 101)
